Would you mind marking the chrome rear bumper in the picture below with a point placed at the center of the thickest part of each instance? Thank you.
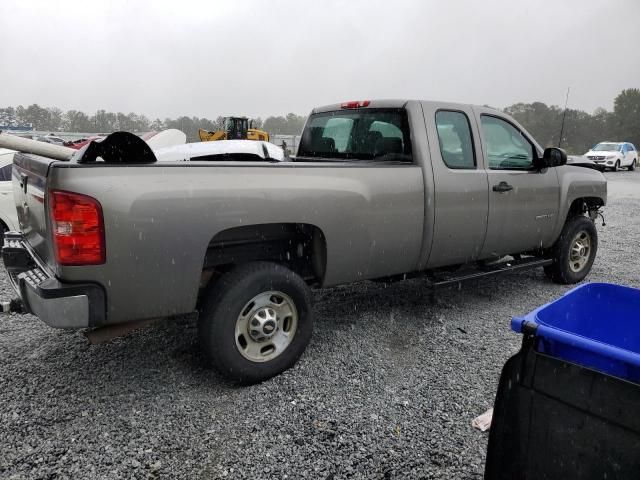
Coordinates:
(58, 304)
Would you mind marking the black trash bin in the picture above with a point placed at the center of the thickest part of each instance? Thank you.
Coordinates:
(568, 404)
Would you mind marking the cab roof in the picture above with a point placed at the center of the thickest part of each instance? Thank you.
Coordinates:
(386, 103)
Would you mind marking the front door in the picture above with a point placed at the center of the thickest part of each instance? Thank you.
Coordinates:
(523, 201)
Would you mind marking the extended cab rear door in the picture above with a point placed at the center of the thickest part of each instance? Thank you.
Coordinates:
(523, 201)
(460, 184)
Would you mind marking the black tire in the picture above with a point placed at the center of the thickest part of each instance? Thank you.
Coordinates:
(616, 167)
(632, 167)
(562, 271)
(223, 306)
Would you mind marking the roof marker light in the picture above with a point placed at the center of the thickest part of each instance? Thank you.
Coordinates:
(356, 104)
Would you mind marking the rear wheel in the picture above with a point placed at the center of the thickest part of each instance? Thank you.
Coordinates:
(574, 252)
(632, 167)
(256, 321)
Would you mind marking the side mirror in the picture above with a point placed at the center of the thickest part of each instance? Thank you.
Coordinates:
(552, 157)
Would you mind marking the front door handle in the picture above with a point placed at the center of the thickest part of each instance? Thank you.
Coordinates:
(502, 187)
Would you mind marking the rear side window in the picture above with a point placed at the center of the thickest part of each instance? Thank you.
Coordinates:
(454, 136)
(507, 148)
(380, 134)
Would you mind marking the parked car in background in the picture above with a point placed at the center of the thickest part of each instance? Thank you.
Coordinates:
(614, 155)
(8, 215)
(51, 139)
(236, 150)
(81, 142)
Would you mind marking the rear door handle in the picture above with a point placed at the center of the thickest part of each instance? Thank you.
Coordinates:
(502, 187)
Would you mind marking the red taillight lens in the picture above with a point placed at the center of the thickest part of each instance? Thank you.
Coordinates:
(78, 229)
(357, 104)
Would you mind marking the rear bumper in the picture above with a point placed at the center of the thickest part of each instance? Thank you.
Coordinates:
(58, 304)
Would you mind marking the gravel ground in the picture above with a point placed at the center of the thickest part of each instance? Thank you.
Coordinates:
(387, 388)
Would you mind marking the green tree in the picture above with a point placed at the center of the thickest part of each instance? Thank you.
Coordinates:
(626, 116)
(36, 115)
(157, 125)
(76, 121)
(55, 119)
(104, 122)
(290, 125)
(581, 129)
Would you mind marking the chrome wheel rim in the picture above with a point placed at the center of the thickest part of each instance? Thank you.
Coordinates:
(580, 251)
(266, 326)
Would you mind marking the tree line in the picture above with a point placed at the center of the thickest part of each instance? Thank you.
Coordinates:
(581, 130)
(53, 119)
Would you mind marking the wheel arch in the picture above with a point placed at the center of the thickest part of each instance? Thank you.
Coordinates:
(582, 205)
(302, 247)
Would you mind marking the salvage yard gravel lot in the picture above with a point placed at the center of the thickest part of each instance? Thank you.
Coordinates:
(387, 388)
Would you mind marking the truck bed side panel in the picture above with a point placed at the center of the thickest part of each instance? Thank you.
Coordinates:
(160, 219)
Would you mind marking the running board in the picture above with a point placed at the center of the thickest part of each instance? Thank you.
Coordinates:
(522, 264)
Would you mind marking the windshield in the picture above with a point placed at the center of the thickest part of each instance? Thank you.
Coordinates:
(366, 134)
(606, 147)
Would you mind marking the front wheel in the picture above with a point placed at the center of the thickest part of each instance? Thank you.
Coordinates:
(256, 321)
(574, 252)
(632, 167)
(616, 167)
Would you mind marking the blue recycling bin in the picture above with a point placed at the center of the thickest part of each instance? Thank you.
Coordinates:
(596, 325)
(568, 403)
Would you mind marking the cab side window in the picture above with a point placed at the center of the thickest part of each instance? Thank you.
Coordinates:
(506, 147)
(456, 143)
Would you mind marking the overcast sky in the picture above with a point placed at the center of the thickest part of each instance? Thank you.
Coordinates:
(210, 58)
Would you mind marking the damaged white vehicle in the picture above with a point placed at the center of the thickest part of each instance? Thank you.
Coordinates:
(8, 215)
(225, 150)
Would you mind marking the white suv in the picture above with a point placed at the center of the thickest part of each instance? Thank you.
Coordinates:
(614, 155)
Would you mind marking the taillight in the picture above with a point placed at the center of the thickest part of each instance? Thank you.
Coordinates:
(78, 229)
(356, 104)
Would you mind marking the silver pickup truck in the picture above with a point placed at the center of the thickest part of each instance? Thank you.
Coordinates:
(378, 190)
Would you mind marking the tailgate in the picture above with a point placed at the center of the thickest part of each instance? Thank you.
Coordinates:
(29, 188)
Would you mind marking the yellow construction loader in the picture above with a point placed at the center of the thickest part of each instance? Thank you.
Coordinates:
(235, 128)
